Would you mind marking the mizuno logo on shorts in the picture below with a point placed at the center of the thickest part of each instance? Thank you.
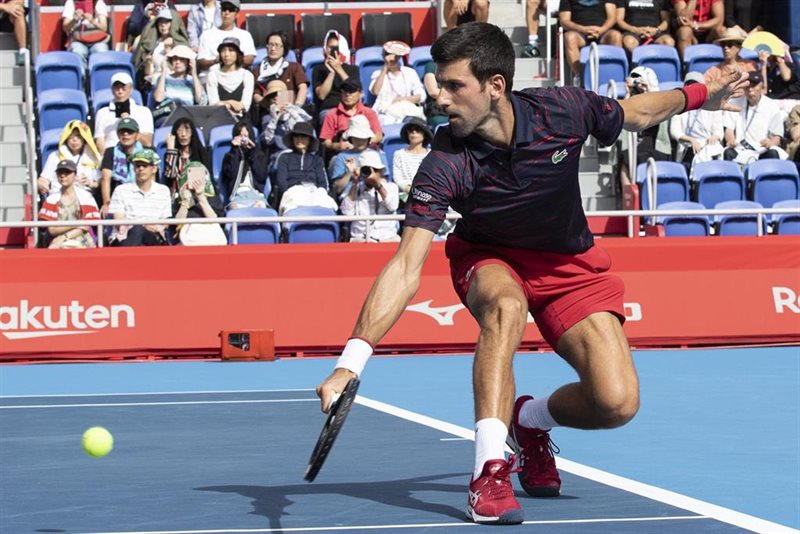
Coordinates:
(559, 155)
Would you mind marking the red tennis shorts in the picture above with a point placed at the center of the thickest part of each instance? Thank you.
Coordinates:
(562, 289)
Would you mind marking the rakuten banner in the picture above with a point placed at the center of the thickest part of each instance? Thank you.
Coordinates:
(175, 301)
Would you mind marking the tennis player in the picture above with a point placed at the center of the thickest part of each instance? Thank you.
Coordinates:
(509, 164)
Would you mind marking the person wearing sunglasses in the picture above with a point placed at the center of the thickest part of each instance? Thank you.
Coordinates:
(731, 43)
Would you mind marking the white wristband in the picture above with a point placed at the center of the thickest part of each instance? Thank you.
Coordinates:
(355, 355)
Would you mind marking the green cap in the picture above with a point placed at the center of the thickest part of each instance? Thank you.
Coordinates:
(147, 155)
(128, 123)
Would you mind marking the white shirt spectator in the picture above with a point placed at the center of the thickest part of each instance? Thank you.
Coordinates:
(105, 124)
(404, 167)
(369, 202)
(698, 124)
(211, 39)
(230, 81)
(133, 203)
(404, 82)
(753, 124)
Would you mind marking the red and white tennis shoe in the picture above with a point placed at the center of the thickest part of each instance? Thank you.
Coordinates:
(538, 474)
(491, 498)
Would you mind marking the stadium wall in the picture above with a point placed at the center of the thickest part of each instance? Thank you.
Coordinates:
(174, 302)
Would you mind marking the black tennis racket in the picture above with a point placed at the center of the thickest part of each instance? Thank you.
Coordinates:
(336, 418)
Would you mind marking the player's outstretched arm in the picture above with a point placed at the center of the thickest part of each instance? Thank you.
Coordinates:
(390, 294)
(648, 109)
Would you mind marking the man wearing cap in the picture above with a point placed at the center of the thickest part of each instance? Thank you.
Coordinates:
(699, 21)
(731, 43)
(338, 120)
(698, 132)
(116, 167)
(143, 198)
(371, 194)
(345, 164)
(756, 131)
(105, 123)
(69, 203)
(208, 48)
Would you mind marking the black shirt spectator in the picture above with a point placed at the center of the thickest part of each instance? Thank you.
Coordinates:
(644, 21)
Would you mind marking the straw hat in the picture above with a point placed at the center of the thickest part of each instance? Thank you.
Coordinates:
(730, 36)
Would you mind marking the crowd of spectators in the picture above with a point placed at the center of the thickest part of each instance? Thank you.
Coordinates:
(298, 141)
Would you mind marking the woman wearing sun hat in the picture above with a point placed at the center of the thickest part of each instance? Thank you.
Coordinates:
(405, 162)
(179, 83)
(731, 43)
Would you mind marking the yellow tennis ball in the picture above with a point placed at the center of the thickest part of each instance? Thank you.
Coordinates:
(97, 441)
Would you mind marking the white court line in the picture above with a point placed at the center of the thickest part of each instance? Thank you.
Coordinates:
(154, 393)
(165, 403)
(419, 525)
(726, 515)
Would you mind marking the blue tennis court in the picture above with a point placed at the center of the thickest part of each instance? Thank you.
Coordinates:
(215, 447)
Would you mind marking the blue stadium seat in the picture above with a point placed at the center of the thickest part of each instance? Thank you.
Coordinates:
(773, 180)
(739, 224)
(311, 232)
(102, 97)
(391, 144)
(787, 223)
(701, 57)
(662, 59)
(613, 65)
(718, 181)
(746, 53)
(59, 106)
(683, 225)
(219, 140)
(311, 58)
(103, 65)
(673, 183)
(58, 70)
(669, 86)
(418, 58)
(48, 143)
(368, 60)
(254, 233)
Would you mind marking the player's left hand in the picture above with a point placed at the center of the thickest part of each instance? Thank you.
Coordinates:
(723, 89)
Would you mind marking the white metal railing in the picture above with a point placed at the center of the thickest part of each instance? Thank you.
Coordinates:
(594, 65)
(561, 60)
(548, 41)
(30, 137)
(611, 89)
(235, 222)
(651, 182)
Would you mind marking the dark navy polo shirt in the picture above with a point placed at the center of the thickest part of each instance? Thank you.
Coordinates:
(527, 197)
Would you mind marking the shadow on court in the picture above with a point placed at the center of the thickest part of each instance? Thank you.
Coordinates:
(272, 501)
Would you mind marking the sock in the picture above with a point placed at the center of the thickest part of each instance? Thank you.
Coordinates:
(533, 39)
(490, 441)
(22, 50)
(535, 414)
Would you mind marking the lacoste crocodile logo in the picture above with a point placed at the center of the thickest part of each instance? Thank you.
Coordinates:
(559, 155)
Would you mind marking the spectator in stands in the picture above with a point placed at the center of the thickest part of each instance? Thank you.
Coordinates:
(699, 133)
(338, 121)
(177, 85)
(183, 147)
(144, 11)
(457, 12)
(344, 164)
(85, 24)
(276, 67)
(202, 16)
(371, 194)
(643, 22)
(107, 119)
(731, 44)
(779, 78)
(244, 157)
(13, 19)
(143, 198)
(793, 135)
(116, 167)
(230, 84)
(405, 162)
(398, 90)
(280, 117)
(756, 131)
(69, 203)
(211, 39)
(699, 21)
(743, 15)
(433, 111)
(301, 179)
(76, 145)
(157, 40)
(327, 77)
(653, 142)
(584, 23)
(196, 198)
(532, 10)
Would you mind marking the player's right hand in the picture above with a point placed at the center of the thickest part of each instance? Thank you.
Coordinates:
(333, 386)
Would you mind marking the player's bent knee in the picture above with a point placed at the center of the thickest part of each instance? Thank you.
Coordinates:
(506, 311)
(616, 409)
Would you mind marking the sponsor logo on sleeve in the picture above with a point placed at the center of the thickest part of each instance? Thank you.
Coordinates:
(420, 195)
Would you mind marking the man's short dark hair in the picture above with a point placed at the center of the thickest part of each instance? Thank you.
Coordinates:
(487, 47)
